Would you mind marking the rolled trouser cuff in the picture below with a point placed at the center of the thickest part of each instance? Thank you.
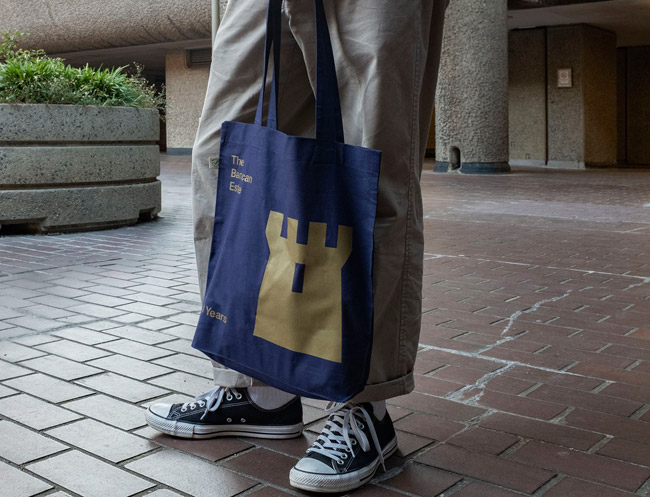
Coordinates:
(385, 390)
(229, 378)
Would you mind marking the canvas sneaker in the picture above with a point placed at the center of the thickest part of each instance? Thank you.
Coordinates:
(226, 412)
(347, 453)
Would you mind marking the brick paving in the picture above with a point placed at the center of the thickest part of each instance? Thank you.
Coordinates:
(533, 375)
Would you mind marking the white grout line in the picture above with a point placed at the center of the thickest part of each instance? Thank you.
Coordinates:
(429, 256)
(532, 308)
(480, 384)
(475, 355)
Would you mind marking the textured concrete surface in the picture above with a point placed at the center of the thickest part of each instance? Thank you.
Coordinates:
(70, 208)
(89, 25)
(621, 105)
(599, 61)
(582, 127)
(638, 105)
(527, 96)
(185, 89)
(75, 123)
(472, 96)
(532, 378)
(68, 167)
(566, 121)
(42, 165)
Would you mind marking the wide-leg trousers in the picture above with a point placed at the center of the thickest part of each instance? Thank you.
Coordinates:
(387, 55)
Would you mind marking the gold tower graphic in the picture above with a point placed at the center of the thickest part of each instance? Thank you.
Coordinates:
(299, 304)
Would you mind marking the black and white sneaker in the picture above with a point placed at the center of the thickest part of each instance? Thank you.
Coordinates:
(226, 412)
(347, 453)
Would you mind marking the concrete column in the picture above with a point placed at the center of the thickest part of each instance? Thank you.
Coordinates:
(582, 128)
(472, 97)
(638, 106)
(185, 95)
(527, 97)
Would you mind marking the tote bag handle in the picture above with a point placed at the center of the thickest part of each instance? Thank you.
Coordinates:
(329, 123)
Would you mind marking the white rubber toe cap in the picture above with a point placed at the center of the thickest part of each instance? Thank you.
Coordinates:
(161, 410)
(311, 465)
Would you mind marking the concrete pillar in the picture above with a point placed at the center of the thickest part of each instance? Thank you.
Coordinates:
(185, 95)
(472, 96)
(638, 106)
(582, 128)
(527, 97)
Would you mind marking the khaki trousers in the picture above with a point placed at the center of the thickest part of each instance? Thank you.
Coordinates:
(387, 54)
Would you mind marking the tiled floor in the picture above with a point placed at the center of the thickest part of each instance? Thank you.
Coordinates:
(533, 375)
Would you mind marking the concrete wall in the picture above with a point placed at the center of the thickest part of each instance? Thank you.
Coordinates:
(527, 96)
(566, 144)
(599, 61)
(638, 105)
(621, 105)
(185, 95)
(582, 128)
(68, 26)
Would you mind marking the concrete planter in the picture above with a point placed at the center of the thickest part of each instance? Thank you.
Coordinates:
(76, 168)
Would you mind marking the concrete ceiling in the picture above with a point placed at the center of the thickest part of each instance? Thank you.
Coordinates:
(152, 57)
(629, 19)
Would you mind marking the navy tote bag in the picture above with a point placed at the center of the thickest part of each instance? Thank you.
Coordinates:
(289, 296)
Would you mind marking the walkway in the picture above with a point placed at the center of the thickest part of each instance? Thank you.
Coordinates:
(533, 375)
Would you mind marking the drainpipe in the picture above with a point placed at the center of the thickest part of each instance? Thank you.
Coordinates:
(216, 18)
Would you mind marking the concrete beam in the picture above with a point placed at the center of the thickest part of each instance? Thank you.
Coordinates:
(97, 24)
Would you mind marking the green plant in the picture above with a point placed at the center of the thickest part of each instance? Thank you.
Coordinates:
(32, 77)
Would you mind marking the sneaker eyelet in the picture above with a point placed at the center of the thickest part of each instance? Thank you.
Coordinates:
(362, 426)
(238, 396)
(340, 462)
(184, 409)
(229, 420)
(343, 456)
(201, 404)
(243, 420)
(228, 397)
(354, 442)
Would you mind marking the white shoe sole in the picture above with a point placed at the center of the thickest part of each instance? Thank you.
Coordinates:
(190, 430)
(324, 483)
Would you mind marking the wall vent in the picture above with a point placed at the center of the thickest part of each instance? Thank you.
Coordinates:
(198, 57)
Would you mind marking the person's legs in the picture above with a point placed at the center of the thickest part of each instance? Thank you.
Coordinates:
(238, 405)
(387, 54)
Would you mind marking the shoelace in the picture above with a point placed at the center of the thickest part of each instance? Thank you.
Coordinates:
(211, 399)
(343, 430)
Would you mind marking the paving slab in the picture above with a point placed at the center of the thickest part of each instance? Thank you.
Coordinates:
(64, 470)
(122, 387)
(13, 352)
(102, 440)
(20, 445)
(191, 475)
(127, 366)
(184, 383)
(17, 483)
(72, 350)
(9, 370)
(109, 410)
(83, 335)
(47, 388)
(34, 412)
(60, 367)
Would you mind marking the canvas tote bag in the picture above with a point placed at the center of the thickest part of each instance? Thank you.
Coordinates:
(289, 296)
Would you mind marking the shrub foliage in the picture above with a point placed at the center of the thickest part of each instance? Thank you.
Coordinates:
(32, 77)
